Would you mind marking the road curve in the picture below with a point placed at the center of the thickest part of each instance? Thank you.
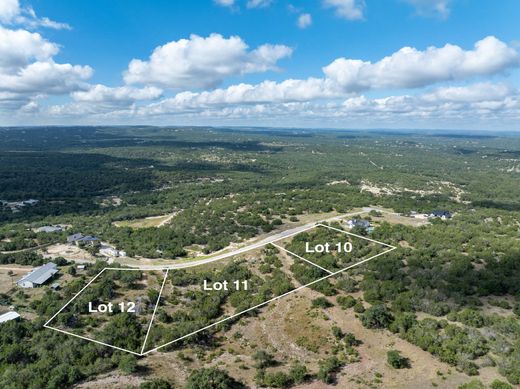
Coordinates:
(253, 246)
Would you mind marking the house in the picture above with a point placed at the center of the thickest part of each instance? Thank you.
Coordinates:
(81, 267)
(441, 214)
(74, 238)
(56, 286)
(38, 276)
(30, 202)
(365, 224)
(77, 238)
(109, 251)
(9, 316)
(47, 229)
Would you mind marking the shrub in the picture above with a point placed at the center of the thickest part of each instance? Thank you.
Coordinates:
(377, 316)
(396, 360)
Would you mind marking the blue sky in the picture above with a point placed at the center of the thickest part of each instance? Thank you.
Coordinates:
(225, 62)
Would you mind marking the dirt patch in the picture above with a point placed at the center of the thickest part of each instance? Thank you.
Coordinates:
(69, 252)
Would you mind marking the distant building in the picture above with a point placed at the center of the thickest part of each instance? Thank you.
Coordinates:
(109, 251)
(47, 229)
(358, 223)
(56, 286)
(441, 214)
(74, 238)
(38, 276)
(77, 238)
(30, 202)
(9, 316)
(81, 267)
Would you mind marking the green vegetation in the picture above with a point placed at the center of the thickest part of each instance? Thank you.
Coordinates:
(452, 287)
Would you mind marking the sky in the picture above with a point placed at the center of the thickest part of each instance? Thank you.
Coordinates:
(411, 64)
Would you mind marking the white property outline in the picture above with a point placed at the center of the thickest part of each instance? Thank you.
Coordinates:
(329, 275)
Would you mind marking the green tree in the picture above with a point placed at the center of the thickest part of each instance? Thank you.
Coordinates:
(377, 316)
(212, 378)
(396, 360)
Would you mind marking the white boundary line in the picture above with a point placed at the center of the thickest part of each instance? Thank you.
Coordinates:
(269, 301)
(303, 259)
(73, 298)
(154, 310)
(356, 235)
(331, 274)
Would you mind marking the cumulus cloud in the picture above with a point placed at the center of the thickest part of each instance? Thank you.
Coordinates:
(265, 92)
(432, 7)
(18, 47)
(103, 94)
(12, 13)
(258, 3)
(347, 9)
(28, 70)
(412, 68)
(200, 62)
(304, 20)
(9, 9)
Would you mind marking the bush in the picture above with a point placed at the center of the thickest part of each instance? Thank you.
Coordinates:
(359, 307)
(321, 302)
(475, 384)
(328, 368)
(263, 359)
(377, 316)
(128, 364)
(346, 302)
(396, 360)
(212, 378)
(496, 384)
(298, 374)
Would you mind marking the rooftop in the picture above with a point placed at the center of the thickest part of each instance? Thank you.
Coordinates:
(40, 274)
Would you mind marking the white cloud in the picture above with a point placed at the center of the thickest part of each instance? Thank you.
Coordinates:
(412, 68)
(347, 9)
(304, 20)
(28, 70)
(46, 78)
(258, 3)
(18, 47)
(431, 7)
(12, 13)
(265, 92)
(9, 9)
(103, 94)
(225, 3)
(203, 62)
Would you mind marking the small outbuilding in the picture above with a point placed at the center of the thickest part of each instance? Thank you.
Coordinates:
(9, 316)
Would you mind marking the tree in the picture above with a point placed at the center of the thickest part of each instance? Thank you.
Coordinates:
(212, 378)
(328, 368)
(396, 360)
(377, 316)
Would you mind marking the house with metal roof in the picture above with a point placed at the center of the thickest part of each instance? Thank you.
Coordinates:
(78, 238)
(9, 316)
(38, 276)
(48, 229)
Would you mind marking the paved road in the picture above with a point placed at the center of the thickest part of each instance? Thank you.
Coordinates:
(269, 239)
